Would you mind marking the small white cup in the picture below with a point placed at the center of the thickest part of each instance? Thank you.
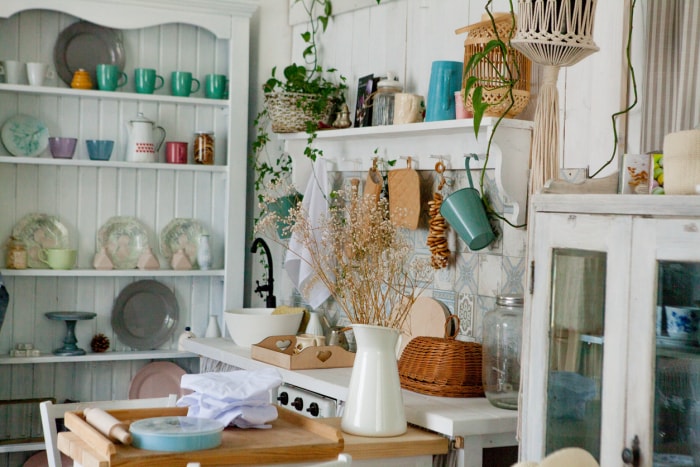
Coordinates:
(13, 71)
(408, 108)
(308, 340)
(37, 72)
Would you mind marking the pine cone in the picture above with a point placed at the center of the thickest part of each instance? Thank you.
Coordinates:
(99, 343)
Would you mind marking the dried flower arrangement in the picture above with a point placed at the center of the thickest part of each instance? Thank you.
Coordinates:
(364, 260)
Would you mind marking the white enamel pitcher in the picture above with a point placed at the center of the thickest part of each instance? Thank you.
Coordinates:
(140, 146)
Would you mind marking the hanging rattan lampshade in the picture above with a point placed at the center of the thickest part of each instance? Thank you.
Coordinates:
(553, 33)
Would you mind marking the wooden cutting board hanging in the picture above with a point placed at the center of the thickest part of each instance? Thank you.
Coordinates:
(404, 197)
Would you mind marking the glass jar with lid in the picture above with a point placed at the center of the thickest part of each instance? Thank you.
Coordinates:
(16, 254)
(502, 337)
(383, 100)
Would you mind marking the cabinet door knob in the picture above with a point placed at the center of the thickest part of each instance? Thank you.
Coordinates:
(630, 456)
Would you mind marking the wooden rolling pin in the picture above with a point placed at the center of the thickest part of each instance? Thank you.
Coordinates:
(108, 425)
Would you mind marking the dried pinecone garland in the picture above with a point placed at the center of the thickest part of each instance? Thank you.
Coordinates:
(99, 343)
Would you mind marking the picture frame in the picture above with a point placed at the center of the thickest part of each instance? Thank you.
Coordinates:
(366, 85)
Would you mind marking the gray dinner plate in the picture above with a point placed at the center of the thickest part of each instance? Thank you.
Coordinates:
(145, 315)
(86, 45)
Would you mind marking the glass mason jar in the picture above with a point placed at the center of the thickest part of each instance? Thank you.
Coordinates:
(502, 336)
(204, 147)
(383, 101)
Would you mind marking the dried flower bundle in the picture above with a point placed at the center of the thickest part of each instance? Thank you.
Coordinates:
(363, 259)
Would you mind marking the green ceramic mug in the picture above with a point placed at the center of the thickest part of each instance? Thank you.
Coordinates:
(146, 80)
(215, 86)
(183, 84)
(58, 258)
(109, 78)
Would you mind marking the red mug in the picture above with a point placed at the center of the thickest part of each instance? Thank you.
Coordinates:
(176, 152)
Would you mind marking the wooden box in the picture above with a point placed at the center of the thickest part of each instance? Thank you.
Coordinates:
(279, 351)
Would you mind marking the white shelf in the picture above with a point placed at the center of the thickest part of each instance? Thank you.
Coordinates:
(111, 164)
(449, 141)
(443, 127)
(111, 273)
(112, 95)
(98, 357)
(22, 447)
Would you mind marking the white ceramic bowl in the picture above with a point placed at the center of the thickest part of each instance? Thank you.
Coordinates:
(248, 326)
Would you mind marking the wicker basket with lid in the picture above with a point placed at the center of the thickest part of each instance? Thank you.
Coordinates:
(495, 89)
(442, 367)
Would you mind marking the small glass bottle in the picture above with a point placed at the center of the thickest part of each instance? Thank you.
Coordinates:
(383, 101)
(502, 337)
(16, 254)
(204, 147)
(186, 334)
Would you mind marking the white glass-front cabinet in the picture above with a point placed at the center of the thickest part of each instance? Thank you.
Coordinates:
(199, 36)
(611, 352)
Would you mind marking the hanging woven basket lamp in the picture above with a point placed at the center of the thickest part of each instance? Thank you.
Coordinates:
(555, 34)
(495, 88)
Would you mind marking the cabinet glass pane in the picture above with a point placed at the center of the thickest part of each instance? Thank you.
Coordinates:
(677, 390)
(576, 350)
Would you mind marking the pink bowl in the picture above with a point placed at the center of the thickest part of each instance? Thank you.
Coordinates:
(62, 148)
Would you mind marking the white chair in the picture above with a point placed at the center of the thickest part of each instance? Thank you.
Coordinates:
(50, 412)
(342, 461)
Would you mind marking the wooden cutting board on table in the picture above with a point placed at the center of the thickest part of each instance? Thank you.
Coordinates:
(404, 197)
(427, 317)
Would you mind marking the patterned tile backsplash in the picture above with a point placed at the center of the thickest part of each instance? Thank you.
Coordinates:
(472, 280)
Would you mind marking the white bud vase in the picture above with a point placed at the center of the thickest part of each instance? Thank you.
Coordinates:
(213, 328)
(374, 406)
(204, 253)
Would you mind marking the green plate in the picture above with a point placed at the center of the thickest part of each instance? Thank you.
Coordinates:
(23, 135)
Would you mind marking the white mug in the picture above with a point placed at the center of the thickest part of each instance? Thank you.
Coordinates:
(308, 340)
(37, 72)
(13, 71)
(408, 108)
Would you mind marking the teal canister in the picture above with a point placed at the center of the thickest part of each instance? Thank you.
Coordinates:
(502, 338)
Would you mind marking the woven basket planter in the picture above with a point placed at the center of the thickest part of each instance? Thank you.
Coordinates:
(443, 367)
(290, 111)
(494, 88)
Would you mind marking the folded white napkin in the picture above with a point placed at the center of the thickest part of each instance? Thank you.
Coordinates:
(240, 398)
(297, 260)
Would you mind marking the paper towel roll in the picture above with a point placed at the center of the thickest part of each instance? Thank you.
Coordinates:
(682, 162)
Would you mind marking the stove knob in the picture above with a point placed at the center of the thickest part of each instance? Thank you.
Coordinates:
(298, 403)
(313, 409)
(283, 398)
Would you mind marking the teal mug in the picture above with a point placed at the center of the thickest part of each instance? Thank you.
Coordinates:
(215, 86)
(183, 84)
(109, 78)
(146, 81)
(465, 212)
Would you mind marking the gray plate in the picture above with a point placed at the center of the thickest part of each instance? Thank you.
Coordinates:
(86, 45)
(145, 315)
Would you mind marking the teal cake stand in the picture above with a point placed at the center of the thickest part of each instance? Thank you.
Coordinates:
(70, 346)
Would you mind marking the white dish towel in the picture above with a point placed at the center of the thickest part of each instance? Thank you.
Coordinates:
(297, 260)
(240, 398)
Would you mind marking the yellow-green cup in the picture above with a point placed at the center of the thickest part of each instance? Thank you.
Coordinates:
(58, 258)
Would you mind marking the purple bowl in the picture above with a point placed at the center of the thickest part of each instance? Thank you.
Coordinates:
(99, 149)
(62, 148)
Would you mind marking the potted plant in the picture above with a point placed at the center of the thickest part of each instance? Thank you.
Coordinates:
(302, 99)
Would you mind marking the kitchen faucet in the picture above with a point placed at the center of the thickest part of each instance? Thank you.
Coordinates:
(270, 300)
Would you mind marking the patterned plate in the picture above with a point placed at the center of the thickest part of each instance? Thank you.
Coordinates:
(38, 231)
(181, 234)
(124, 239)
(25, 136)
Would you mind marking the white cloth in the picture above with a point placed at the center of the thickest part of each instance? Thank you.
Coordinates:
(240, 398)
(297, 260)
